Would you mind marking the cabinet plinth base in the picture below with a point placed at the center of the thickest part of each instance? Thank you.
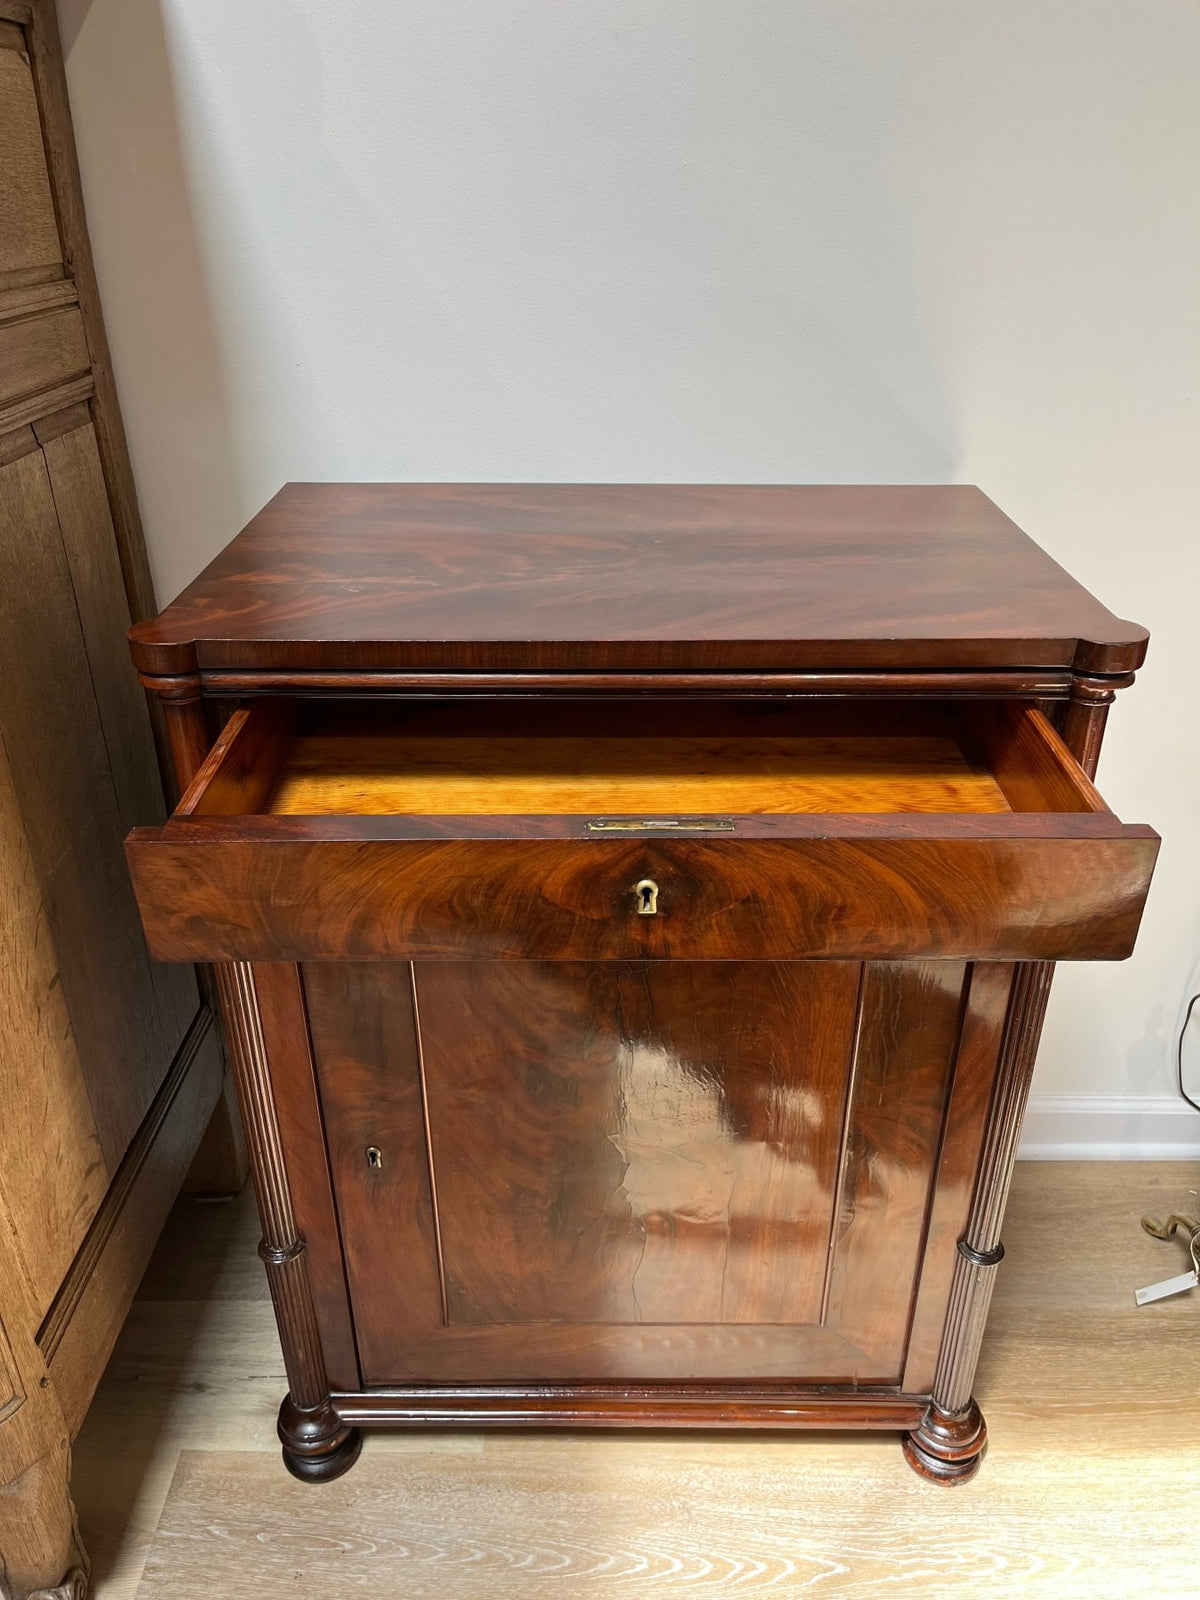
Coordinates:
(317, 1446)
(711, 1407)
(947, 1447)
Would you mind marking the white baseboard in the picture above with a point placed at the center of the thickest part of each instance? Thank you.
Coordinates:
(1090, 1127)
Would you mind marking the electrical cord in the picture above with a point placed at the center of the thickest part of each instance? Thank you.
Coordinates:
(1187, 1017)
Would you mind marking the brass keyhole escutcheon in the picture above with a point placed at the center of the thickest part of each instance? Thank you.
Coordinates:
(374, 1156)
(646, 894)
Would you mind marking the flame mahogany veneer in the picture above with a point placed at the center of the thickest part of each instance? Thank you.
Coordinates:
(634, 909)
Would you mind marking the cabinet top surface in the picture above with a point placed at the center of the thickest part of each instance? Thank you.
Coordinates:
(365, 577)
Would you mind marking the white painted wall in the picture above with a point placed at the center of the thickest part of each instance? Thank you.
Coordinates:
(777, 240)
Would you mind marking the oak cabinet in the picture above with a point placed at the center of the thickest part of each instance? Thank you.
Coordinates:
(634, 911)
(110, 1065)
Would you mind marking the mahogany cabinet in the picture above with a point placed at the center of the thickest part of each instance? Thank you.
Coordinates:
(635, 910)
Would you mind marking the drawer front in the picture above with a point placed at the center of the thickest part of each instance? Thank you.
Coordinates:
(215, 889)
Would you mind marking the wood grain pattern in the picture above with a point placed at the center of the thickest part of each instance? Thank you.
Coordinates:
(302, 1131)
(366, 1052)
(1032, 765)
(39, 1537)
(635, 578)
(240, 770)
(379, 774)
(86, 524)
(82, 1324)
(984, 1015)
(661, 1142)
(29, 242)
(17, 443)
(36, 352)
(631, 1171)
(53, 1175)
(207, 891)
(71, 418)
(31, 408)
(588, 1516)
(282, 886)
(63, 780)
(50, 80)
(515, 755)
(85, 520)
(364, 1042)
(896, 1104)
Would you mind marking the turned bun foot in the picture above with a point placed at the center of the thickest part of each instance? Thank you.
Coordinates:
(948, 1446)
(317, 1446)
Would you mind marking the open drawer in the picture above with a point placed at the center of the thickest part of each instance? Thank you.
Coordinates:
(633, 830)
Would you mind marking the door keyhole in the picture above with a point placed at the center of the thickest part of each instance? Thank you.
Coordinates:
(374, 1156)
(646, 893)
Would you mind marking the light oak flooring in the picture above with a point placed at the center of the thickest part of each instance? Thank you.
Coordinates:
(1090, 1487)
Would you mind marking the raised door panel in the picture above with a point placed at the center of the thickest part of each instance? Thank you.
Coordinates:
(29, 244)
(659, 1142)
(63, 779)
(41, 352)
(53, 1175)
(76, 474)
(586, 1172)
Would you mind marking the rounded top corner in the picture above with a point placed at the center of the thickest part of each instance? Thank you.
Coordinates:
(1113, 657)
(156, 657)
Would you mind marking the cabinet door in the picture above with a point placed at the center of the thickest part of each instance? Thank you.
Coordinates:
(662, 1171)
(78, 737)
(89, 1026)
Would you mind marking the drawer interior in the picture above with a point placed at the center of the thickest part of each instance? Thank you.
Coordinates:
(602, 758)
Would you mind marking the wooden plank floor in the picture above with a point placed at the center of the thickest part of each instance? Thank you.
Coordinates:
(1089, 1488)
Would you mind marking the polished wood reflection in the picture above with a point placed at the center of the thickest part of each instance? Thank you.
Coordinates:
(654, 1169)
(659, 1143)
(381, 888)
(908, 1034)
(364, 1045)
(637, 577)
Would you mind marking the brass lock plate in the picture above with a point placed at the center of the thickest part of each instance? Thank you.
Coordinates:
(661, 825)
(646, 896)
